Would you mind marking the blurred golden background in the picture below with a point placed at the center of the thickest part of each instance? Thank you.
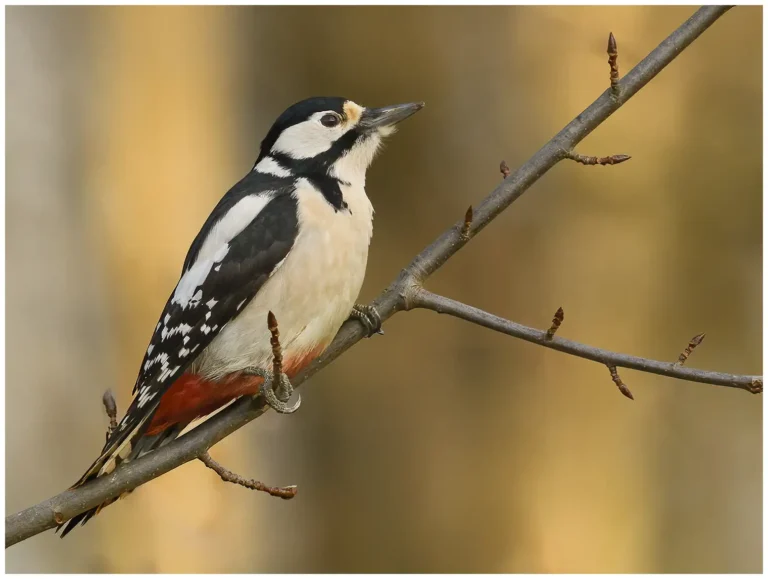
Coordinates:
(125, 126)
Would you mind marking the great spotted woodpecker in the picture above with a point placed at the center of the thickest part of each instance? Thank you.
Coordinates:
(292, 238)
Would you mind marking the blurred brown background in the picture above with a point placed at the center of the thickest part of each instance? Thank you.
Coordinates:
(124, 127)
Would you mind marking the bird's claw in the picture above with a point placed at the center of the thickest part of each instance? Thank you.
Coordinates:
(369, 317)
(276, 397)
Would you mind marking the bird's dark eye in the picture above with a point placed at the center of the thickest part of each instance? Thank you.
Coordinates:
(330, 120)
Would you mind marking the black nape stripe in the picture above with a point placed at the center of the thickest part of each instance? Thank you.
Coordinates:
(330, 187)
(315, 169)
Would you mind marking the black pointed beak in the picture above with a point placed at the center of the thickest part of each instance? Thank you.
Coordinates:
(387, 116)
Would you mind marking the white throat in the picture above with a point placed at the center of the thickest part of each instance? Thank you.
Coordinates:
(351, 167)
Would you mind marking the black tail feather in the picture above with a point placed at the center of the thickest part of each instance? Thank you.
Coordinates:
(140, 447)
(82, 518)
(148, 443)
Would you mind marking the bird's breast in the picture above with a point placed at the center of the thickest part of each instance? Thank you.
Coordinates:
(311, 293)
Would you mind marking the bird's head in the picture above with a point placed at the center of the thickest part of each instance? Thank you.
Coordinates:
(328, 135)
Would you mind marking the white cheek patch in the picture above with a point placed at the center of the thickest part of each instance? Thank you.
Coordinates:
(307, 139)
(310, 138)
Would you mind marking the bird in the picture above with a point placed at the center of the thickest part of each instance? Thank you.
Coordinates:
(290, 239)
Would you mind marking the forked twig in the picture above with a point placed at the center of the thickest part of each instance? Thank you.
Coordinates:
(444, 305)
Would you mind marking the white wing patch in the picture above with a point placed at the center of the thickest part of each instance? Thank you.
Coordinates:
(195, 277)
(232, 224)
(216, 246)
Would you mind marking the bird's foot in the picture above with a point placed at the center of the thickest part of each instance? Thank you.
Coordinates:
(276, 393)
(369, 317)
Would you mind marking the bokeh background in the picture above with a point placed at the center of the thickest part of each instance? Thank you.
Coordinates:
(125, 126)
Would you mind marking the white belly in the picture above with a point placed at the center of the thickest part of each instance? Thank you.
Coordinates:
(311, 293)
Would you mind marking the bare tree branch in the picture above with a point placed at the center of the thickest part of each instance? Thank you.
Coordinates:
(442, 305)
(397, 297)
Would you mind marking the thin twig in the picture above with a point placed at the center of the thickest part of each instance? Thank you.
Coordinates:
(110, 406)
(695, 341)
(277, 371)
(249, 483)
(585, 160)
(282, 391)
(397, 297)
(277, 351)
(617, 380)
(556, 321)
(613, 56)
(443, 305)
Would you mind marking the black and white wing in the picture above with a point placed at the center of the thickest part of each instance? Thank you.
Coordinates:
(242, 243)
